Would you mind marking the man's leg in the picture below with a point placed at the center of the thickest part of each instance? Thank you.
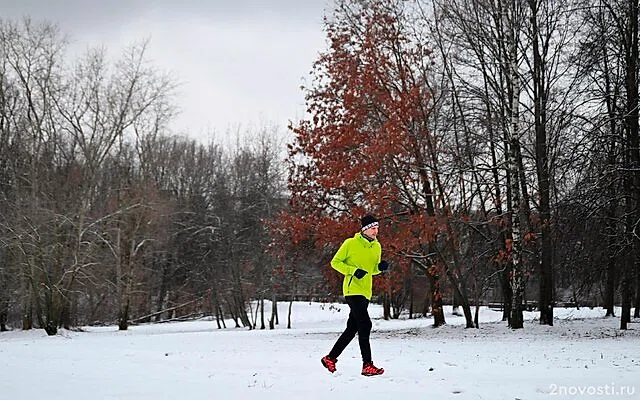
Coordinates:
(359, 305)
(347, 336)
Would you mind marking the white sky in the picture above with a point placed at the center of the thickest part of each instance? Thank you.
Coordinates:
(583, 356)
(240, 63)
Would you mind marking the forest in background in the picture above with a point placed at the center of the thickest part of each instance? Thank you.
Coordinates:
(497, 141)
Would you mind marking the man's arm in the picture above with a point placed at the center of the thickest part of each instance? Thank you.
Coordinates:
(376, 270)
(338, 261)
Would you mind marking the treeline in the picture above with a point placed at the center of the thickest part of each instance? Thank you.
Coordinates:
(499, 142)
(105, 215)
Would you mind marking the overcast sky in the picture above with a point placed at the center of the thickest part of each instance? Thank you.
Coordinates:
(239, 62)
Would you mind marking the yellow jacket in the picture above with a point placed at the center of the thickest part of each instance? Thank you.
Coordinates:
(357, 252)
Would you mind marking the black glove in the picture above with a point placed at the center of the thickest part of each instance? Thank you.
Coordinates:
(383, 266)
(359, 273)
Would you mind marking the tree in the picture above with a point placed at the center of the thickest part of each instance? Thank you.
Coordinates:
(611, 57)
(367, 146)
(32, 55)
(479, 43)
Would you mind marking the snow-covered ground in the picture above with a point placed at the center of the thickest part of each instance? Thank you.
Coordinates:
(584, 356)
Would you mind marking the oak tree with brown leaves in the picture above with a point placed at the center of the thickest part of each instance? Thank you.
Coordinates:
(367, 147)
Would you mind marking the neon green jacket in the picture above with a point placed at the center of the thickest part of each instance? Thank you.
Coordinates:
(357, 252)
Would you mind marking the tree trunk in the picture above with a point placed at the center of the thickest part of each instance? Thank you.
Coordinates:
(504, 277)
(476, 297)
(123, 317)
(411, 297)
(507, 293)
(220, 316)
(545, 302)
(517, 284)
(289, 313)
(4, 307)
(274, 313)
(615, 137)
(217, 310)
(456, 279)
(4, 290)
(126, 300)
(231, 306)
(386, 306)
(27, 304)
(610, 291)
(459, 292)
(636, 311)
(625, 313)
(629, 257)
(65, 314)
(436, 297)
(262, 326)
(241, 311)
(427, 302)
(476, 317)
(162, 293)
(456, 306)
(37, 307)
(633, 143)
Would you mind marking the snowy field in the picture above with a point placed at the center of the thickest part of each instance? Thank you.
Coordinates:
(584, 356)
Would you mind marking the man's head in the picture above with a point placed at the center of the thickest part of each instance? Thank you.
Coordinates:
(369, 226)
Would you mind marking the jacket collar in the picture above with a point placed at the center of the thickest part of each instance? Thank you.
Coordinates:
(363, 240)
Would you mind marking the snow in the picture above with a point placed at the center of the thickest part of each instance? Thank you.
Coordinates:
(583, 356)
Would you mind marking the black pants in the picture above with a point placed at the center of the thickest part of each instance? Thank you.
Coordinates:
(358, 322)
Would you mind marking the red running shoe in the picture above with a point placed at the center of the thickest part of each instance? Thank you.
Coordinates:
(329, 363)
(369, 369)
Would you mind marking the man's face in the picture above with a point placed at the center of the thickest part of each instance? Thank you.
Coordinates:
(371, 232)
